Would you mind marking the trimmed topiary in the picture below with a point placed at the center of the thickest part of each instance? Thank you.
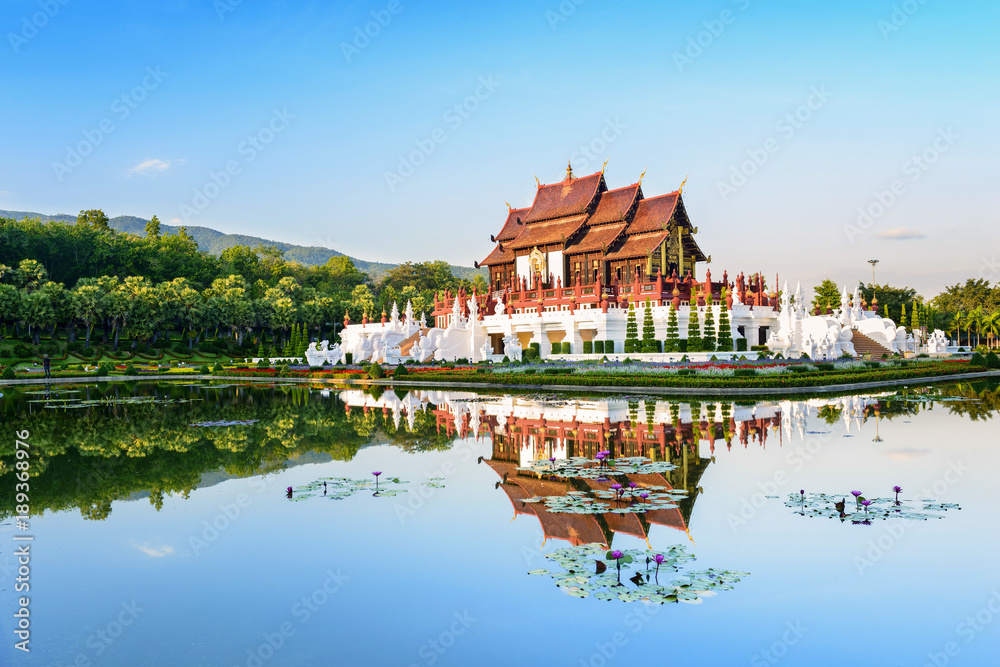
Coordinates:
(375, 372)
(218, 367)
(588, 347)
(598, 347)
(8, 373)
(204, 369)
(401, 371)
(992, 360)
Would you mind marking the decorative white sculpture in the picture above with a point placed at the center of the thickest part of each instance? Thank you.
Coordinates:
(512, 348)
(486, 350)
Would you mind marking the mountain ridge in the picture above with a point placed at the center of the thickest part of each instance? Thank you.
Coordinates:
(214, 242)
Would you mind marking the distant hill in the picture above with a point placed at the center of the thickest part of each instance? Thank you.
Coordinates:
(214, 242)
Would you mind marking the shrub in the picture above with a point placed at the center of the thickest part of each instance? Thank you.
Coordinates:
(8, 373)
(218, 367)
(741, 344)
(745, 372)
(978, 360)
(588, 347)
(401, 371)
(556, 348)
(74, 346)
(682, 345)
(203, 369)
(102, 371)
(22, 351)
(375, 372)
(823, 366)
(130, 370)
(598, 347)
(264, 363)
(609, 347)
(348, 358)
(992, 360)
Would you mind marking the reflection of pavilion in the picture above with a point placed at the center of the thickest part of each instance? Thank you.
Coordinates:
(523, 430)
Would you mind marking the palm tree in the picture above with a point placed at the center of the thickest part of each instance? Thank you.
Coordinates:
(88, 304)
(991, 326)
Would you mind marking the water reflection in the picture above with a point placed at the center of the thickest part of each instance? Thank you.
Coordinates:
(97, 444)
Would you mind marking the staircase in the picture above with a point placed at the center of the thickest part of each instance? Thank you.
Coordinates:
(866, 345)
(405, 345)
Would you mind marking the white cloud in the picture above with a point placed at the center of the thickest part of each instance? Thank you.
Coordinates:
(152, 167)
(155, 551)
(176, 221)
(901, 234)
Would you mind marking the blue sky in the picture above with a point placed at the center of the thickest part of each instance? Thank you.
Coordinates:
(255, 118)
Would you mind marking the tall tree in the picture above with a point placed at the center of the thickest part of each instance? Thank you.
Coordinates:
(827, 296)
(153, 228)
(94, 218)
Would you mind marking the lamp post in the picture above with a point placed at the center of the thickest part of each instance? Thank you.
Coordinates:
(873, 262)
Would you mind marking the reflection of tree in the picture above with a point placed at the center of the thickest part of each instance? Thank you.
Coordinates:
(982, 400)
(89, 457)
(830, 414)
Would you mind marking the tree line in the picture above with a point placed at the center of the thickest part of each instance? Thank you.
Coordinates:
(969, 311)
(91, 277)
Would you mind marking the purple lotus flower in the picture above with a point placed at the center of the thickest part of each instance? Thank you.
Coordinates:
(552, 458)
(802, 492)
(855, 493)
(616, 554)
(644, 495)
(659, 558)
(898, 490)
(866, 503)
(376, 473)
(288, 492)
(632, 485)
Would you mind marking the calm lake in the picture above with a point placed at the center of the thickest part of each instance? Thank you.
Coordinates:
(164, 532)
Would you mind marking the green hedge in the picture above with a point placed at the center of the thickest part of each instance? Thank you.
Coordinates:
(588, 347)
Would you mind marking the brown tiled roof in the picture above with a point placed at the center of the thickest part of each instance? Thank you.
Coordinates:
(595, 238)
(568, 197)
(498, 256)
(614, 204)
(510, 228)
(516, 494)
(550, 231)
(639, 245)
(625, 523)
(654, 214)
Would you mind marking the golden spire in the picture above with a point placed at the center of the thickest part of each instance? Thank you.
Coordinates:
(569, 171)
(509, 207)
(537, 182)
(681, 189)
(604, 165)
(641, 176)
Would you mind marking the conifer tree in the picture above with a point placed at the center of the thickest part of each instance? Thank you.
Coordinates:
(708, 337)
(694, 330)
(670, 345)
(902, 314)
(631, 331)
(915, 314)
(725, 341)
(649, 342)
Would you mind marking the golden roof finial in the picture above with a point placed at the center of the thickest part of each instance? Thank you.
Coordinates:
(569, 171)
(641, 176)
(604, 165)
(509, 207)
(537, 182)
(681, 189)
